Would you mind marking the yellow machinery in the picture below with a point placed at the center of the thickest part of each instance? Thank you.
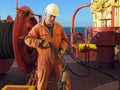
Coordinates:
(106, 13)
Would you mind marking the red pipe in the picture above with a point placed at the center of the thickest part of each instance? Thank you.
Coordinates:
(73, 19)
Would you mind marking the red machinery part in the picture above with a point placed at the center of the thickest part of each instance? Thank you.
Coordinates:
(5, 65)
(105, 56)
(25, 56)
(105, 38)
(76, 41)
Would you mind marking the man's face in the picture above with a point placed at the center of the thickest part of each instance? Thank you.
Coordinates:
(50, 19)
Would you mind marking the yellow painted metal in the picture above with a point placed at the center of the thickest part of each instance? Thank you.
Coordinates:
(101, 11)
(98, 6)
(117, 52)
(95, 1)
(83, 47)
(16, 87)
(107, 4)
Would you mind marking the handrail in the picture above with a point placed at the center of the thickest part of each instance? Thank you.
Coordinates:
(73, 19)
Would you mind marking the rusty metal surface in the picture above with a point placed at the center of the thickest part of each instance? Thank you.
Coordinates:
(23, 23)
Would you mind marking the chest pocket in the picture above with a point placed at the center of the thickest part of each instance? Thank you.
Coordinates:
(57, 37)
(43, 35)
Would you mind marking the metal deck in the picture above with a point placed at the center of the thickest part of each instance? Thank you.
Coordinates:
(94, 78)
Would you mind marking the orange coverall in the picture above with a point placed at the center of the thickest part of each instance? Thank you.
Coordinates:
(48, 61)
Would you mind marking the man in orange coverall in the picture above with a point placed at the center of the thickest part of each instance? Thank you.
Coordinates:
(42, 36)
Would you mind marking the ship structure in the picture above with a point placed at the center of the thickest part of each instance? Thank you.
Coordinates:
(97, 49)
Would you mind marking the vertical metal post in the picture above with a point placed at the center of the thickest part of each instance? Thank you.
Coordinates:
(16, 4)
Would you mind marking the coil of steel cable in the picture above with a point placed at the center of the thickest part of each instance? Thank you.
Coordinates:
(6, 47)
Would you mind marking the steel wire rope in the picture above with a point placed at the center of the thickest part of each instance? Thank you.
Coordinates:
(63, 74)
(1, 39)
(76, 74)
(90, 67)
(6, 47)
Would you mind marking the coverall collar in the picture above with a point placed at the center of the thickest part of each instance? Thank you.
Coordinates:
(43, 24)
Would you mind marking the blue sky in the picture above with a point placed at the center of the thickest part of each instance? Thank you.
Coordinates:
(66, 7)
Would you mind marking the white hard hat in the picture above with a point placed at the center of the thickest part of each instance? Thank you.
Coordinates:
(52, 9)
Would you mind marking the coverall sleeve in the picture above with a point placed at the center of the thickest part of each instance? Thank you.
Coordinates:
(64, 41)
(32, 39)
